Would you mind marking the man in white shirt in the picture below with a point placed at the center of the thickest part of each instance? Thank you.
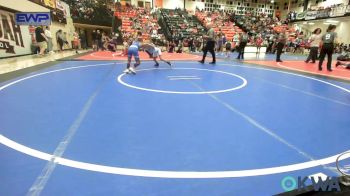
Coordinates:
(49, 41)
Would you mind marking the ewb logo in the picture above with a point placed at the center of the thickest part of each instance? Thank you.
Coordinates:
(35, 19)
(289, 183)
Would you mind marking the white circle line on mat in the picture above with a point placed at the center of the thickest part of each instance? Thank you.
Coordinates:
(168, 174)
(244, 82)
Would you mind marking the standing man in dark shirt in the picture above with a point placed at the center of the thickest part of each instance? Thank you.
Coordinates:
(99, 40)
(41, 39)
(94, 40)
(281, 42)
(328, 41)
(210, 45)
(243, 40)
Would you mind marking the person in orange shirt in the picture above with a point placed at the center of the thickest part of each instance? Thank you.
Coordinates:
(258, 43)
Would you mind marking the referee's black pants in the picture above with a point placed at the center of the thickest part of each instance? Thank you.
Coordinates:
(327, 48)
(313, 54)
(210, 46)
(279, 47)
(241, 47)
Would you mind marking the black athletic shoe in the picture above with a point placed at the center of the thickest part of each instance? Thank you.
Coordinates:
(201, 62)
(337, 64)
(280, 61)
(213, 63)
(169, 64)
(156, 65)
(320, 69)
(306, 61)
(330, 69)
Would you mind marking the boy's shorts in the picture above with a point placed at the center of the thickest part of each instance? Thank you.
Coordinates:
(133, 52)
(157, 52)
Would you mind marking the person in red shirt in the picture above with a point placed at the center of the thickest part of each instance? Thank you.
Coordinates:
(258, 42)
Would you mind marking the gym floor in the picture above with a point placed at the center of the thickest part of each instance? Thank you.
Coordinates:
(82, 127)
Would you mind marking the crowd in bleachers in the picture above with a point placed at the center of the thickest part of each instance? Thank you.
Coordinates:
(90, 10)
(142, 20)
(221, 23)
(260, 24)
(187, 30)
(269, 28)
(184, 30)
(181, 23)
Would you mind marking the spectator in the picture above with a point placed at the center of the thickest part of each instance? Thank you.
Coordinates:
(105, 41)
(99, 40)
(315, 41)
(228, 47)
(242, 44)
(94, 40)
(41, 39)
(49, 38)
(258, 42)
(83, 40)
(171, 47)
(76, 42)
(60, 40)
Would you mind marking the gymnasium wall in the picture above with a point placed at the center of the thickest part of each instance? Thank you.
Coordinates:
(23, 6)
(135, 2)
(229, 5)
(326, 3)
(343, 28)
(298, 7)
(158, 3)
(17, 40)
(172, 4)
(191, 5)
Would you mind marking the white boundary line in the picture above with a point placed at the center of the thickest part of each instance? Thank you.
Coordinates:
(244, 83)
(182, 76)
(115, 54)
(169, 174)
(322, 74)
(101, 57)
(191, 78)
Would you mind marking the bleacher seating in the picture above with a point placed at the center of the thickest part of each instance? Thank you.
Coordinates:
(138, 19)
(181, 22)
(219, 22)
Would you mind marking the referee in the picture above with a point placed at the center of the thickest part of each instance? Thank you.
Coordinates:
(281, 42)
(210, 45)
(328, 41)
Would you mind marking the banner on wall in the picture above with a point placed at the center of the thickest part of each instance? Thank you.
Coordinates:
(348, 9)
(64, 7)
(310, 15)
(14, 40)
(50, 3)
(301, 15)
(323, 13)
(338, 11)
